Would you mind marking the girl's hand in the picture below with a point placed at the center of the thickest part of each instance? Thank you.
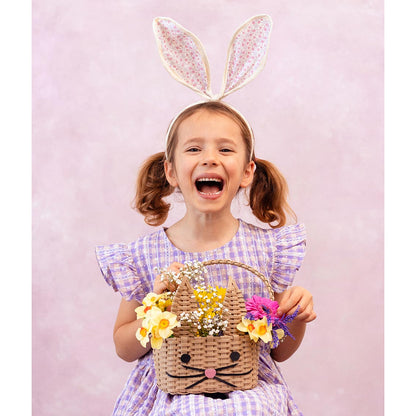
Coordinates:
(293, 297)
(289, 301)
(161, 286)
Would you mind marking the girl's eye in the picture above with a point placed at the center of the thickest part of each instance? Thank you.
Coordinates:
(225, 150)
(192, 149)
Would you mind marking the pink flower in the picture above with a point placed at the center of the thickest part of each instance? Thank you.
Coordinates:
(259, 307)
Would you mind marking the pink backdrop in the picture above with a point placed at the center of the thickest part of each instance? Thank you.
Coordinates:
(102, 102)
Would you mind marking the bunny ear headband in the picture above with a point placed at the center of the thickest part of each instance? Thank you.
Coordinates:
(184, 57)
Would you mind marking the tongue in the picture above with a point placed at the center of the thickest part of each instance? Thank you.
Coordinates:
(209, 189)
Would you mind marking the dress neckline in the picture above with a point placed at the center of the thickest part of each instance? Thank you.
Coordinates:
(228, 243)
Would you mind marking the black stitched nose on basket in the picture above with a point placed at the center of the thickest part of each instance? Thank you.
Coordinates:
(214, 364)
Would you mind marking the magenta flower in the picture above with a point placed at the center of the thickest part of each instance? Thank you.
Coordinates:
(259, 307)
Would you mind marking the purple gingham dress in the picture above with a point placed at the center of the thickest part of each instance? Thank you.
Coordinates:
(130, 269)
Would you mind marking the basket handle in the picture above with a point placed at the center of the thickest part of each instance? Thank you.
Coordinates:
(244, 266)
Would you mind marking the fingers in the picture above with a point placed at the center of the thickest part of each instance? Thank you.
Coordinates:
(307, 315)
(159, 286)
(297, 297)
(175, 266)
(169, 286)
(289, 301)
(163, 284)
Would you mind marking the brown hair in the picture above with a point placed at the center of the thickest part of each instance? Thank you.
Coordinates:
(269, 194)
(151, 187)
(268, 191)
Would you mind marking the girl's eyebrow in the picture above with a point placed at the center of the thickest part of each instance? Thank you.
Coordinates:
(192, 140)
(197, 140)
(226, 140)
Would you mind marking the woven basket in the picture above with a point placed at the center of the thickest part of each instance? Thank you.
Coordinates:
(186, 364)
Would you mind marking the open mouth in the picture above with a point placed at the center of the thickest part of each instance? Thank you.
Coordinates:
(209, 186)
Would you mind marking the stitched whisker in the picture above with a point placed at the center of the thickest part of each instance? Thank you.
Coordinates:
(193, 368)
(193, 376)
(228, 366)
(225, 382)
(197, 382)
(235, 374)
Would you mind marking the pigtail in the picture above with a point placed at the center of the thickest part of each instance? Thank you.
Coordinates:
(152, 186)
(268, 195)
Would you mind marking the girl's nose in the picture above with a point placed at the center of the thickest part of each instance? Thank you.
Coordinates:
(210, 162)
(210, 159)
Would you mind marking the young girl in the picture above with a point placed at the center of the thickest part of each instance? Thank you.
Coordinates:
(209, 158)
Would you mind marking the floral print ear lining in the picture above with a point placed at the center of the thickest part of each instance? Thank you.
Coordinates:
(183, 55)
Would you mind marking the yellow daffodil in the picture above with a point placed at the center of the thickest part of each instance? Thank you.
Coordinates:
(164, 302)
(142, 335)
(159, 324)
(256, 329)
(142, 311)
(156, 341)
(163, 322)
(151, 299)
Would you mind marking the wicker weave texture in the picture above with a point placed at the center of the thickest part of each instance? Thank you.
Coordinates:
(207, 364)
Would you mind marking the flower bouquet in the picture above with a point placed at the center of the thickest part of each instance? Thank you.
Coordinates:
(201, 344)
(262, 321)
(157, 321)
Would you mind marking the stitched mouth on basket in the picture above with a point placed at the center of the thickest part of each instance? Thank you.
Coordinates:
(210, 373)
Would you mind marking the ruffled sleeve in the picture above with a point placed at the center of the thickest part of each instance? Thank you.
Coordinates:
(121, 272)
(289, 251)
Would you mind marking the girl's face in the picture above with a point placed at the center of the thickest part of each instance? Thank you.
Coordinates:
(210, 162)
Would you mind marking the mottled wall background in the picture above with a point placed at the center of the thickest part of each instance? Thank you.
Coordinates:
(102, 102)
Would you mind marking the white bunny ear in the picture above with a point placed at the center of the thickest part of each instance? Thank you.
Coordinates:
(247, 53)
(183, 55)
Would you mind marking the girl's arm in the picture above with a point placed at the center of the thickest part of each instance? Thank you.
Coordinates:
(127, 345)
(288, 301)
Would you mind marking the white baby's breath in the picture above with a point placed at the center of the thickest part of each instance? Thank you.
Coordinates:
(192, 270)
(207, 319)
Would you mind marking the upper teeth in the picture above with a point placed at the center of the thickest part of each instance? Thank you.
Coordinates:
(209, 180)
